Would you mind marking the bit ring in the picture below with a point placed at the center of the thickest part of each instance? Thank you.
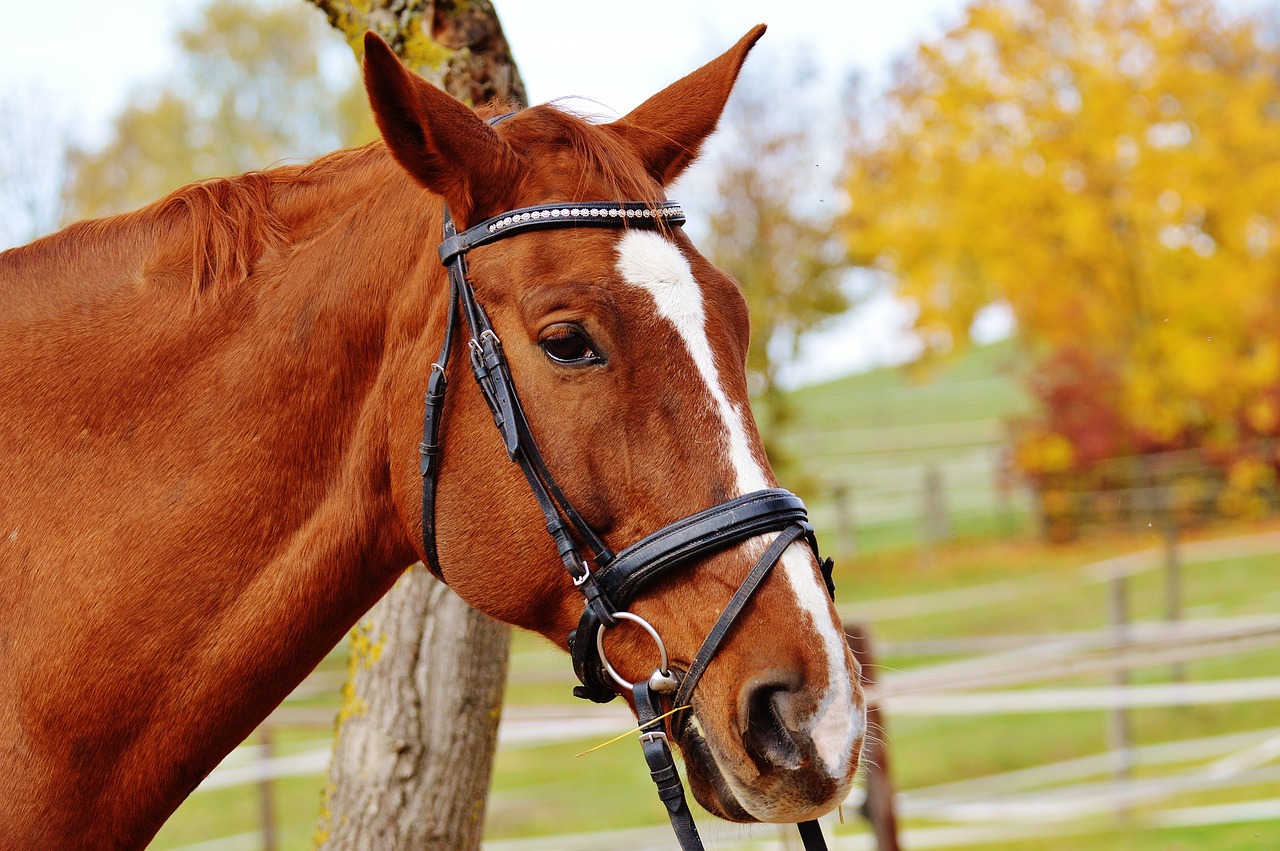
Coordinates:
(663, 667)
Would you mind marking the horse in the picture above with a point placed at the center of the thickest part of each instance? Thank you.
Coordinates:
(210, 445)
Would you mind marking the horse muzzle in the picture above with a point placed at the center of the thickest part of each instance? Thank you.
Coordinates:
(782, 754)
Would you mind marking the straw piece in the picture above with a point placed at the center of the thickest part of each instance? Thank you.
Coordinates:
(622, 736)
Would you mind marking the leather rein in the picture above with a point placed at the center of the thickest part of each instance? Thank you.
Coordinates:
(608, 581)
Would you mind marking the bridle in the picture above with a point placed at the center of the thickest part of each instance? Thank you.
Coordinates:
(608, 581)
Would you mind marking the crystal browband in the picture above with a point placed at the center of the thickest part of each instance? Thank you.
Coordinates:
(584, 213)
(665, 212)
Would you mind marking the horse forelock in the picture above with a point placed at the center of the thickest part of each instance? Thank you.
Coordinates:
(602, 157)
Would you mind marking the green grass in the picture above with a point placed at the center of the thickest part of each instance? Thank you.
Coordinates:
(547, 790)
(879, 434)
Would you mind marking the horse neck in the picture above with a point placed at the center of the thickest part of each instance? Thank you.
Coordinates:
(235, 512)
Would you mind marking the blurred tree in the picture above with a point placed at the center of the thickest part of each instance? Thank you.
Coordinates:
(34, 142)
(1111, 170)
(250, 91)
(772, 226)
(419, 723)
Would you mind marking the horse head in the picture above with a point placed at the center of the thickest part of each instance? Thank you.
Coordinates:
(627, 350)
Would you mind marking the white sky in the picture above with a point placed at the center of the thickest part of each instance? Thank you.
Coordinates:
(90, 52)
(85, 56)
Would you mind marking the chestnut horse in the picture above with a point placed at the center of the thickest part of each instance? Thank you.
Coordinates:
(209, 431)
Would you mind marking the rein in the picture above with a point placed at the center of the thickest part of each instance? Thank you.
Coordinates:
(608, 581)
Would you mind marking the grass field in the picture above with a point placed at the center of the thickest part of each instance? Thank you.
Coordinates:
(547, 791)
(880, 434)
(877, 434)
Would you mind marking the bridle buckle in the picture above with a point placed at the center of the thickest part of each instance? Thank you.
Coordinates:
(579, 581)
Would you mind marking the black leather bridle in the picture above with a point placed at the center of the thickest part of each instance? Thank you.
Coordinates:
(608, 581)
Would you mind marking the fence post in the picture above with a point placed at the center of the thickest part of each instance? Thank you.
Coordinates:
(1005, 481)
(1160, 482)
(1118, 732)
(1172, 585)
(933, 517)
(845, 538)
(878, 808)
(267, 792)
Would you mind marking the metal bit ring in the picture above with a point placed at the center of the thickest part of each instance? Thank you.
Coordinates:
(663, 671)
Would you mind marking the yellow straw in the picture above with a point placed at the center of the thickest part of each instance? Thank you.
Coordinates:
(622, 736)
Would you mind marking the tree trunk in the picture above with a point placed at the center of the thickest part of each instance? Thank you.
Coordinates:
(418, 724)
(419, 721)
(457, 45)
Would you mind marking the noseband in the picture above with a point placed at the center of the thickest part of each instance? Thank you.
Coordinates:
(609, 581)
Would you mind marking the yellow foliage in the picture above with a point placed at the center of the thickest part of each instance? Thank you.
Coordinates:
(1263, 416)
(1045, 453)
(1110, 170)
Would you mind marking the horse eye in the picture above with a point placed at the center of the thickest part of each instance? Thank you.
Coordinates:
(568, 344)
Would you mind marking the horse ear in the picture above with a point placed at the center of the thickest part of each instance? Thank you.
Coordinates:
(438, 139)
(669, 128)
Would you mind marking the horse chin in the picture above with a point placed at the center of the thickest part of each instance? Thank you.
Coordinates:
(736, 790)
(709, 785)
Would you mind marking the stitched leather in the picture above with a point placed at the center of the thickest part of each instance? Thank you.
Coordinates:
(699, 535)
(662, 767)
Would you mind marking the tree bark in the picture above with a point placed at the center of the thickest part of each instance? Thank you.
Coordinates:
(419, 720)
(418, 724)
(456, 44)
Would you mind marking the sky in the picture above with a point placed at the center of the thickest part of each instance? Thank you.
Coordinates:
(87, 56)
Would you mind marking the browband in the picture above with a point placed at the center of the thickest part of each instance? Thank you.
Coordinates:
(606, 213)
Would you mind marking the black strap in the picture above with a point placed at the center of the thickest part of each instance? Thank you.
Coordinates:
(662, 767)
(697, 536)
(729, 616)
(689, 539)
(811, 835)
(429, 448)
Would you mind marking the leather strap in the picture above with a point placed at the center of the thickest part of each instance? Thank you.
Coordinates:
(729, 616)
(662, 767)
(697, 536)
(811, 835)
(687, 540)
(543, 216)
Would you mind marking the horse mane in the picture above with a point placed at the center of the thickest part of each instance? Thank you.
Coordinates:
(223, 227)
(231, 222)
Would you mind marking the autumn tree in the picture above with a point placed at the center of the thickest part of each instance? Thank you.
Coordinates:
(249, 92)
(1110, 169)
(772, 225)
(419, 722)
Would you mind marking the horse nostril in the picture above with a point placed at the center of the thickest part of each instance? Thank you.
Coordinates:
(767, 737)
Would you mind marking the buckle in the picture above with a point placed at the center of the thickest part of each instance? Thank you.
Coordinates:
(579, 581)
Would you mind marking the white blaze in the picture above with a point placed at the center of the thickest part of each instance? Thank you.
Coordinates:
(648, 261)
